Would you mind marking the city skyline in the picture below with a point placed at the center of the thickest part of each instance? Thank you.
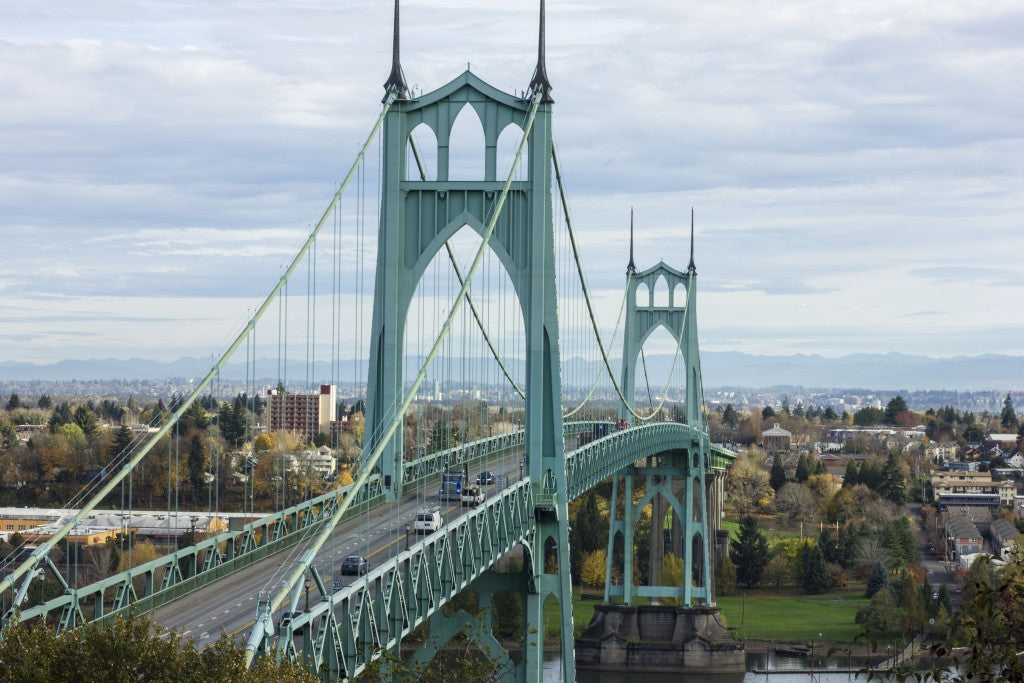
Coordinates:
(856, 171)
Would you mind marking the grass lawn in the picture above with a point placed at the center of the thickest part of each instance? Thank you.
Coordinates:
(793, 615)
(773, 534)
(582, 612)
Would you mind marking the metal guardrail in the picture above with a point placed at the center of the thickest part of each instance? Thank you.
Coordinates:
(165, 579)
(347, 628)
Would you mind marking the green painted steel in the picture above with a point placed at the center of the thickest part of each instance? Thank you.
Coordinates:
(346, 630)
(680, 469)
(417, 218)
(188, 569)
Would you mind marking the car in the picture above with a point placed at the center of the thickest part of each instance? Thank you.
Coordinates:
(484, 478)
(427, 521)
(355, 564)
(287, 617)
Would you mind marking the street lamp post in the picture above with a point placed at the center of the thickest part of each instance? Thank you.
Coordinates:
(408, 530)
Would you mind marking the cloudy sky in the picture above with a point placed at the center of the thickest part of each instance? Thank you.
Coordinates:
(857, 168)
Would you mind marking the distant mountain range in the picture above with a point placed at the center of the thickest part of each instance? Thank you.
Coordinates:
(721, 369)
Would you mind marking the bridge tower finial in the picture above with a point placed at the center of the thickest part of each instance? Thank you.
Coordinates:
(540, 74)
(397, 78)
(691, 268)
(631, 266)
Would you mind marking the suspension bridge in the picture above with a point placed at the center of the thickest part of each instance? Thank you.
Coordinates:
(479, 293)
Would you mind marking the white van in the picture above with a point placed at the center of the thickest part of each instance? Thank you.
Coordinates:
(427, 521)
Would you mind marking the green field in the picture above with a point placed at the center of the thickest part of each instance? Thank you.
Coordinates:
(795, 616)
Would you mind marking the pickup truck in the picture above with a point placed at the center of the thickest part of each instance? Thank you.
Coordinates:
(472, 496)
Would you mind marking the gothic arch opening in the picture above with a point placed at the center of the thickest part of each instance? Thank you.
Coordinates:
(423, 140)
(466, 146)
(661, 291)
(643, 296)
(505, 153)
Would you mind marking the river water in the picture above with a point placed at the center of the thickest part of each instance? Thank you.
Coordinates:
(755, 663)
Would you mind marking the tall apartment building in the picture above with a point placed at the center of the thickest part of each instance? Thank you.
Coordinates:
(308, 414)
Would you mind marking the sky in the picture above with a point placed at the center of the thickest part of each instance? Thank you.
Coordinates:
(857, 169)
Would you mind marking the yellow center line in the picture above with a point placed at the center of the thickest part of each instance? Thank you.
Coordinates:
(251, 622)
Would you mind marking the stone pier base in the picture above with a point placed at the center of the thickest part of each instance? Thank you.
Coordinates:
(659, 638)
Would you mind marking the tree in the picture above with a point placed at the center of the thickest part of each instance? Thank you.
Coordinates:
(893, 486)
(814, 576)
(851, 476)
(122, 440)
(866, 417)
(830, 414)
(796, 502)
(882, 615)
(131, 649)
(725, 576)
(44, 402)
(878, 580)
(779, 571)
(803, 469)
(749, 488)
(1008, 418)
(592, 571)
(86, 420)
(767, 412)
(14, 402)
(893, 408)
(730, 416)
(749, 552)
(777, 476)
(914, 616)
(196, 462)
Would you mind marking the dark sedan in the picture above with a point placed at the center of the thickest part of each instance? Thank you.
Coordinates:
(485, 478)
(355, 564)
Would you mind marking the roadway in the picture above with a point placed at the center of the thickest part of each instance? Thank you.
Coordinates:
(229, 605)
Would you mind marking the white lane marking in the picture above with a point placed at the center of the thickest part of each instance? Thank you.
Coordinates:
(199, 625)
(204, 635)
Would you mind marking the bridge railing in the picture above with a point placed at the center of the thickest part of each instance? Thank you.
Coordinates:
(345, 630)
(153, 584)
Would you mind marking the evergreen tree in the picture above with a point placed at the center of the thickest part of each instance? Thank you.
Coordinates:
(852, 476)
(1008, 418)
(830, 414)
(44, 402)
(819, 467)
(814, 577)
(123, 438)
(803, 469)
(943, 601)
(878, 580)
(61, 416)
(749, 553)
(196, 462)
(777, 476)
(767, 412)
(894, 408)
(893, 485)
(730, 416)
(14, 402)
(828, 541)
(931, 605)
(86, 420)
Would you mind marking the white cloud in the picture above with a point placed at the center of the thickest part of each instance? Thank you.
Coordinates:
(861, 159)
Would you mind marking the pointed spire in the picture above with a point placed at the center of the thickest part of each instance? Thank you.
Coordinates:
(540, 74)
(397, 78)
(691, 268)
(631, 267)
